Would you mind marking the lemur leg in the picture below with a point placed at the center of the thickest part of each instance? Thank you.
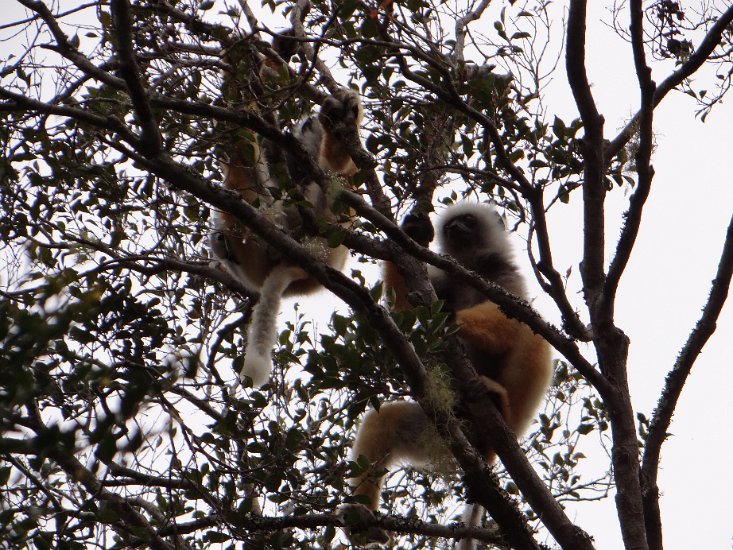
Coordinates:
(394, 282)
(398, 430)
(262, 332)
(499, 396)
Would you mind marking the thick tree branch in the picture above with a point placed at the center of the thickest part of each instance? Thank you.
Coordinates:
(395, 524)
(631, 504)
(504, 442)
(300, 11)
(611, 343)
(122, 20)
(593, 185)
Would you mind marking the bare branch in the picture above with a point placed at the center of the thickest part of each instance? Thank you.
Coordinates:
(65, 48)
(688, 68)
(151, 139)
(677, 377)
(593, 187)
(130, 519)
(26, 104)
(462, 27)
(300, 10)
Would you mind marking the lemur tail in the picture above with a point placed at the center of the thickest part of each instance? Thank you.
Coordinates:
(262, 331)
(471, 518)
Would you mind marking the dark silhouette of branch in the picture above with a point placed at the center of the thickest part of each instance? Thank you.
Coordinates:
(593, 187)
(696, 60)
(610, 342)
(635, 523)
(129, 520)
(218, 33)
(553, 281)
(21, 103)
(675, 382)
(122, 22)
(66, 49)
(632, 218)
(395, 524)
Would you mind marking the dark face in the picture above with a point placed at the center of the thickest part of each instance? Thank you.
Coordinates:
(462, 231)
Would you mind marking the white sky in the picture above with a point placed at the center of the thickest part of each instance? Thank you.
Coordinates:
(665, 286)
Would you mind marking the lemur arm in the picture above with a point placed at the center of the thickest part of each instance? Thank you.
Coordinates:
(420, 229)
(486, 327)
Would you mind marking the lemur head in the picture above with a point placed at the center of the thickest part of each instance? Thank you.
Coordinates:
(466, 229)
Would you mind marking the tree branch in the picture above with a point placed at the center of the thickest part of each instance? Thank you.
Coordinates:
(677, 377)
(129, 70)
(130, 519)
(593, 189)
(65, 48)
(23, 103)
(636, 524)
(632, 218)
(688, 68)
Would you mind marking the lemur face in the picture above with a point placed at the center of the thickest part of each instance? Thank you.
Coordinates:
(460, 228)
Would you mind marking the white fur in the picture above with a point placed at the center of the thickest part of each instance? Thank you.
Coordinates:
(497, 235)
(262, 331)
(471, 517)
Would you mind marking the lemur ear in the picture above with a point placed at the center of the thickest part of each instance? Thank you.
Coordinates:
(501, 219)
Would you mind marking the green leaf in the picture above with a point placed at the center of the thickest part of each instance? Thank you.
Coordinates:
(559, 128)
